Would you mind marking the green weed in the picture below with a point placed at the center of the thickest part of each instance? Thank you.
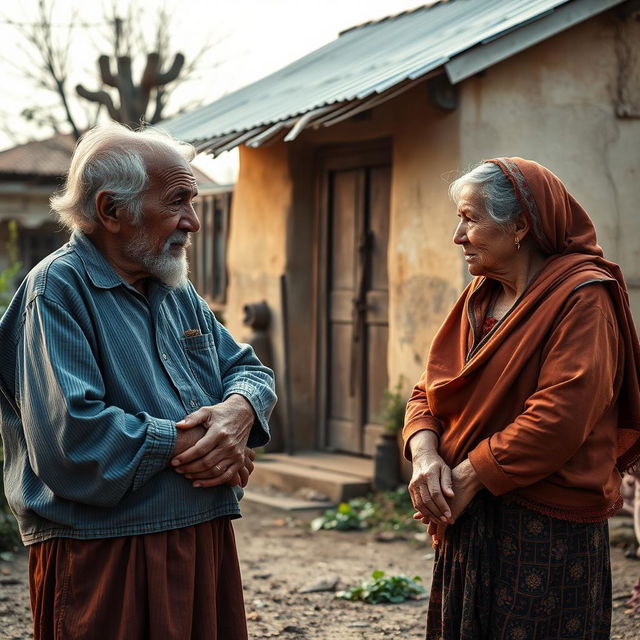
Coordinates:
(384, 511)
(381, 588)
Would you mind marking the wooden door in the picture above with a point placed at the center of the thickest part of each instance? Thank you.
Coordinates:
(355, 309)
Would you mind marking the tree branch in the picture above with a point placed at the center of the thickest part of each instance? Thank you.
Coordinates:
(160, 102)
(101, 97)
(105, 72)
(172, 73)
(150, 71)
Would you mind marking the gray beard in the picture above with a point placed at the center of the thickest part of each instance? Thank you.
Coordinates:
(171, 270)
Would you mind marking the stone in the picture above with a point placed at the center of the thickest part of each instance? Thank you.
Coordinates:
(326, 583)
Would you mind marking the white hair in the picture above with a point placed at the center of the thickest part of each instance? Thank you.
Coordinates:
(108, 158)
(498, 195)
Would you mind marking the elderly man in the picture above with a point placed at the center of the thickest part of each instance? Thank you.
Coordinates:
(127, 410)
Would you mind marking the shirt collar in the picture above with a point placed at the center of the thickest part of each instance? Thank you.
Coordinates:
(100, 272)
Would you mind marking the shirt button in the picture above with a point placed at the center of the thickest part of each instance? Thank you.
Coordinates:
(165, 356)
(192, 403)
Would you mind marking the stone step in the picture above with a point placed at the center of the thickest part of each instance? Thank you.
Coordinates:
(340, 462)
(338, 478)
(287, 502)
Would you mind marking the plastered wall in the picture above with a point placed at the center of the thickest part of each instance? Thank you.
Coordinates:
(257, 241)
(424, 265)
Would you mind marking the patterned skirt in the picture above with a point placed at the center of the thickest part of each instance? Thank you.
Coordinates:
(505, 572)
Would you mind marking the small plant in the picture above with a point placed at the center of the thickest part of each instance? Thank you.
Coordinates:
(347, 516)
(393, 407)
(387, 511)
(383, 588)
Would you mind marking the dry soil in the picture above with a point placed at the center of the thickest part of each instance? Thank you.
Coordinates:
(281, 557)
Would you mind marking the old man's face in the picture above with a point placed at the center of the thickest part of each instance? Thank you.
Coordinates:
(160, 241)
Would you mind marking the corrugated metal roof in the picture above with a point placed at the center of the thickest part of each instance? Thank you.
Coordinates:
(364, 66)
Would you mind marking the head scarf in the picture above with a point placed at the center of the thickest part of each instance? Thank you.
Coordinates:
(559, 224)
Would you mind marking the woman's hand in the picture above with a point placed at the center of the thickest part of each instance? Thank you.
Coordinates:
(465, 486)
(431, 486)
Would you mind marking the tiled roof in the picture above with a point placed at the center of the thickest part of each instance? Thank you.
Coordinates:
(45, 158)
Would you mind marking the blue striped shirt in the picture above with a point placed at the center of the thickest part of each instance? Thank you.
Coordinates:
(94, 377)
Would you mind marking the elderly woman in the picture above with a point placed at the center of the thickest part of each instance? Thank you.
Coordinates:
(527, 413)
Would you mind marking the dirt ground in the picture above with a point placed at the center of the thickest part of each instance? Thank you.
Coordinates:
(280, 556)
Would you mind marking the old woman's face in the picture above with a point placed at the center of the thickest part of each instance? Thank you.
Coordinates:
(488, 248)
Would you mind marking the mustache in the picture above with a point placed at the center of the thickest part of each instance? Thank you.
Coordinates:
(183, 238)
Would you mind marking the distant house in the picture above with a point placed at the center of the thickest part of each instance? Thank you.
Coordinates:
(32, 172)
(345, 158)
(29, 174)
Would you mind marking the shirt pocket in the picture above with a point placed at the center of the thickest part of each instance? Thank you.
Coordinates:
(202, 360)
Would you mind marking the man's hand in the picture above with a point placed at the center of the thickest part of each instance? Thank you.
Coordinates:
(430, 487)
(465, 486)
(220, 456)
(188, 437)
(247, 469)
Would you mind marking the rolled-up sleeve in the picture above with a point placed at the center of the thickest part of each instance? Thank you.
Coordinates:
(243, 373)
(83, 449)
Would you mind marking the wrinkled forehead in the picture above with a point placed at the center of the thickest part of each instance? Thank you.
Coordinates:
(168, 171)
(471, 196)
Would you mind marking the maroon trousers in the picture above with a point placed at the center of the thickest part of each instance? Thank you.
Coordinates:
(183, 584)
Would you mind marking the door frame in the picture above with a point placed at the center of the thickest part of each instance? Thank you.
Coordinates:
(333, 158)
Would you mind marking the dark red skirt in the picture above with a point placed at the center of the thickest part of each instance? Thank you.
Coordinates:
(183, 584)
(503, 571)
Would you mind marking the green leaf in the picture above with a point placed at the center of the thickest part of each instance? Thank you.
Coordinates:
(390, 510)
(393, 589)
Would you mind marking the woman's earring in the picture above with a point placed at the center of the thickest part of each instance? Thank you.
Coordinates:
(517, 244)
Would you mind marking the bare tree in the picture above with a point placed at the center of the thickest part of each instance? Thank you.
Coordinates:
(48, 65)
(133, 100)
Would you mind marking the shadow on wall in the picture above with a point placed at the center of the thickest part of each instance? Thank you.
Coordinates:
(257, 317)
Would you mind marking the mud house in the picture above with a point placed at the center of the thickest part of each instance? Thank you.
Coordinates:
(345, 158)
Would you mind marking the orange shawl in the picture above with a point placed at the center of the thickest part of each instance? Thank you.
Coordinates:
(467, 390)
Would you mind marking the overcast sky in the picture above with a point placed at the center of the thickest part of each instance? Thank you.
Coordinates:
(244, 41)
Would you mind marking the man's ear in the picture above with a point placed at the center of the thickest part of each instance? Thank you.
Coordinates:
(108, 213)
